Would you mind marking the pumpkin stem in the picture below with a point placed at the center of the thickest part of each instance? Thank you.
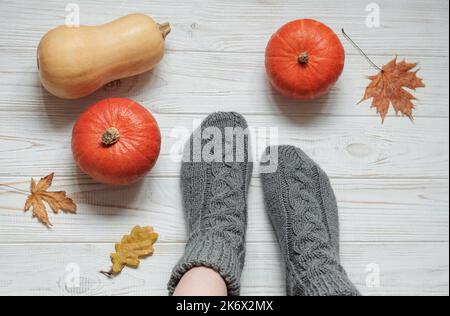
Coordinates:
(165, 29)
(110, 136)
(303, 59)
(361, 51)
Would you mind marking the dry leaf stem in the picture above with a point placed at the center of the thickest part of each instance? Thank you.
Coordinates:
(361, 51)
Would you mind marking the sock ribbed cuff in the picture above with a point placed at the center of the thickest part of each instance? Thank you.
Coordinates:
(214, 253)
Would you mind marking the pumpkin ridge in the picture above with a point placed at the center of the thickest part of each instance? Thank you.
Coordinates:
(327, 38)
(134, 147)
(115, 116)
(293, 50)
(319, 75)
(136, 137)
(92, 128)
(101, 119)
(109, 115)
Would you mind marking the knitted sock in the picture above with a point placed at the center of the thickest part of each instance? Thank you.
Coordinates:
(304, 214)
(215, 199)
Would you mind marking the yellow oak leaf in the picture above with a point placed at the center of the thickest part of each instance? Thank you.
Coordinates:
(56, 200)
(388, 87)
(132, 248)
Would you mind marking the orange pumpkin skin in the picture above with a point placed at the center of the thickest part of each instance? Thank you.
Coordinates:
(304, 59)
(116, 141)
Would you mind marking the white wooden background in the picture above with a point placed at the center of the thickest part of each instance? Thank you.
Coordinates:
(391, 181)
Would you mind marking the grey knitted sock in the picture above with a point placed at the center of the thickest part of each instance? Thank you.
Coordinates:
(215, 199)
(304, 214)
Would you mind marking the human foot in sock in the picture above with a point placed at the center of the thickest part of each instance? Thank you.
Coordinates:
(303, 210)
(215, 199)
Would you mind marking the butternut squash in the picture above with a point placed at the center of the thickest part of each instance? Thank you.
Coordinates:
(74, 62)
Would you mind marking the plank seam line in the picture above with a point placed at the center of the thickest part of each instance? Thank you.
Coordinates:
(312, 115)
(256, 176)
(175, 50)
(344, 243)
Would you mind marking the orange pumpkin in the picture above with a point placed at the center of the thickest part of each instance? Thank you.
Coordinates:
(304, 59)
(116, 141)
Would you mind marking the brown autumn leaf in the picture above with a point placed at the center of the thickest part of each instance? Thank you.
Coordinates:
(56, 200)
(137, 245)
(388, 87)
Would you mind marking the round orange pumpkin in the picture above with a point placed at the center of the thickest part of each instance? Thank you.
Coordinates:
(116, 141)
(304, 59)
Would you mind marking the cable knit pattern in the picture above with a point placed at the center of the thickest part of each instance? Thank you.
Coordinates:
(215, 200)
(304, 213)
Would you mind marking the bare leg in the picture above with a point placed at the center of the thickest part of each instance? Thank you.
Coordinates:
(201, 281)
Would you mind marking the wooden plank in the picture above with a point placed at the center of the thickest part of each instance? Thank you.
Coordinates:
(404, 269)
(344, 146)
(407, 27)
(200, 82)
(370, 210)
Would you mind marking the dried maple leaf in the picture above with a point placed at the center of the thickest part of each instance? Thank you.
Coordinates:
(388, 87)
(56, 200)
(137, 245)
